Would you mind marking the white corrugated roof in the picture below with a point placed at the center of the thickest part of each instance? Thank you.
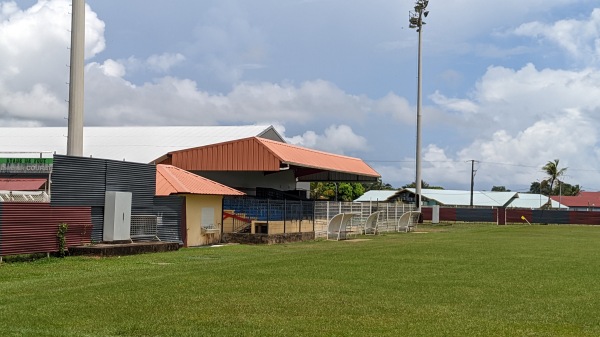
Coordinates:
(142, 144)
(533, 201)
(463, 198)
(376, 195)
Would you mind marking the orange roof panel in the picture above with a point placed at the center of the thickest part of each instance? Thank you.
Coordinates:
(246, 154)
(173, 180)
(301, 156)
(260, 154)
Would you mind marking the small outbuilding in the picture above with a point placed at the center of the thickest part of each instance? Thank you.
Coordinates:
(203, 206)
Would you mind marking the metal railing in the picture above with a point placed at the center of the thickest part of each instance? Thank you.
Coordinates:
(145, 226)
(287, 215)
(388, 218)
(24, 196)
(292, 213)
(240, 224)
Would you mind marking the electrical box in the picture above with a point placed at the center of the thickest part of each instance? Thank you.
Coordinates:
(117, 216)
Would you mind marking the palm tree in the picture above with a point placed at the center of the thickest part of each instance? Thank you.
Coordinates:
(551, 169)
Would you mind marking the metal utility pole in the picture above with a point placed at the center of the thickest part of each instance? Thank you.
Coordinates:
(75, 124)
(472, 179)
(415, 20)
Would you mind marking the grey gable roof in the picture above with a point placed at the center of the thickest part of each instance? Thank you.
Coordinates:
(463, 198)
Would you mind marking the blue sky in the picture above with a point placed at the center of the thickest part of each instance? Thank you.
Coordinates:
(511, 84)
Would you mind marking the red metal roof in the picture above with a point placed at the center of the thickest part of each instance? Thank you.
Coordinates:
(173, 180)
(21, 184)
(259, 154)
(583, 199)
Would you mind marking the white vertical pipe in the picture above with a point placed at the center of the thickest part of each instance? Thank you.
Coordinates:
(76, 90)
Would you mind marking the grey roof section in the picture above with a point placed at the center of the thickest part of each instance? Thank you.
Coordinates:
(377, 195)
(142, 144)
(463, 198)
(533, 201)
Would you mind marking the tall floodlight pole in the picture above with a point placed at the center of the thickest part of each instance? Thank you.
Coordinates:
(75, 124)
(416, 21)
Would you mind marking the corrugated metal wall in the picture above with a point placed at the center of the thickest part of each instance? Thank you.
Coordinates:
(78, 181)
(583, 217)
(447, 213)
(97, 223)
(1, 210)
(171, 210)
(77, 198)
(514, 215)
(476, 214)
(27, 228)
(240, 155)
(140, 179)
(84, 181)
(551, 216)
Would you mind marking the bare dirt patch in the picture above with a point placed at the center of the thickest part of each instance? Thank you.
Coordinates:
(357, 240)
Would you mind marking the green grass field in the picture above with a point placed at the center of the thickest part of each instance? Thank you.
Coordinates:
(458, 280)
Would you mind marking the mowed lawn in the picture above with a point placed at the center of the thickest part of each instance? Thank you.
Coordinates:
(454, 280)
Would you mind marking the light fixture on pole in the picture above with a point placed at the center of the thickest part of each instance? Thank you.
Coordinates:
(415, 19)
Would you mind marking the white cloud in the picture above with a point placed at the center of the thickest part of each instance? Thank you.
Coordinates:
(112, 100)
(460, 17)
(164, 62)
(513, 99)
(398, 107)
(579, 38)
(336, 139)
(34, 107)
(34, 68)
(112, 68)
(566, 137)
(519, 116)
(158, 64)
(527, 117)
(454, 104)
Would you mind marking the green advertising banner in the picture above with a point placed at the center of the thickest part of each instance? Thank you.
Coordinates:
(26, 165)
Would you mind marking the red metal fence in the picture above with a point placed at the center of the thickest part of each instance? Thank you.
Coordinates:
(27, 228)
(513, 215)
